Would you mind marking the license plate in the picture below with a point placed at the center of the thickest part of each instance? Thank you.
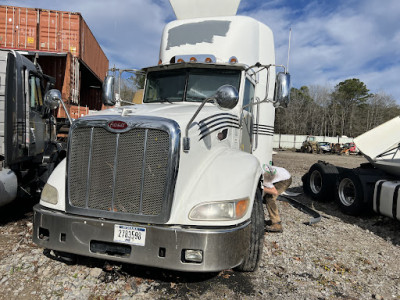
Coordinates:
(130, 235)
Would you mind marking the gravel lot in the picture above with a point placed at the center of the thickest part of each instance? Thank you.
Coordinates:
(340, 257)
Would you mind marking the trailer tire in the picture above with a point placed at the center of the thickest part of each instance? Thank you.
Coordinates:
(350, 194)
(254, 253)
(320, 181)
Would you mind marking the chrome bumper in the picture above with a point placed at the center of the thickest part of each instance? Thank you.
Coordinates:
(222, 248)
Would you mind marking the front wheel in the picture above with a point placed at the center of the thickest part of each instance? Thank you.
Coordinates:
(254, 253)
(350, 194)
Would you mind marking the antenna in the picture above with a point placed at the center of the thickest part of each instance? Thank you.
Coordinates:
(288, 52)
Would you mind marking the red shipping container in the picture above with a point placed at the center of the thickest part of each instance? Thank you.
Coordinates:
(36, 29)
(18, 27)
(59, 31)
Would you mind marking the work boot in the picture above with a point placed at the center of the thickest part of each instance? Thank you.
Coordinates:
(276, 227)
(267, 222)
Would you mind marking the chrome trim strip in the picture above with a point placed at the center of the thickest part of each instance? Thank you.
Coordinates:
(88, 172)
(227, 119)
(263, 129)
(143, 169)
(264, 126)
(217, 117)
(228, 123)
(115, 171)
(218, 128)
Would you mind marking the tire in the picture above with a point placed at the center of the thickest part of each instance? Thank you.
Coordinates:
(320, 181)
(350, 194)
(255, 251)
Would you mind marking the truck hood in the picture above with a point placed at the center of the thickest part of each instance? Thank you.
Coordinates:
(381, 141)
(181, 112)
(381, 146)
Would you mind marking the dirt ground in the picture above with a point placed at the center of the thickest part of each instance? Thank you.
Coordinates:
(341, 257)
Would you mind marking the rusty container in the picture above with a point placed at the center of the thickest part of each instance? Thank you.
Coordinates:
(18, 27)
(36, 29)
(61, 31)
(67, 51)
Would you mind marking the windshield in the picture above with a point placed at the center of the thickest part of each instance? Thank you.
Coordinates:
(192, 85)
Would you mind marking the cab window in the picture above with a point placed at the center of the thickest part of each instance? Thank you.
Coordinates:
(248, 95)
(35, 92)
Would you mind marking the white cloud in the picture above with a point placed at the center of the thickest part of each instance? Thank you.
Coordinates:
(331, 41)
(347, 39)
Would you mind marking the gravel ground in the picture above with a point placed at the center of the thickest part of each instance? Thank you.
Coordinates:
(341, 257)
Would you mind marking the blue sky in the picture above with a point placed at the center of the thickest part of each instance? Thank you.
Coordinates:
(331, 40)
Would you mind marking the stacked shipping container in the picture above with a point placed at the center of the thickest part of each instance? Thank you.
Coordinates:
(66, 47)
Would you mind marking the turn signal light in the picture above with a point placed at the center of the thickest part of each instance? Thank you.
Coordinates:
(241, 208)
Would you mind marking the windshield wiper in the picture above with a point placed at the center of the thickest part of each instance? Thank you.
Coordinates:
(198, 99)
(163, 100)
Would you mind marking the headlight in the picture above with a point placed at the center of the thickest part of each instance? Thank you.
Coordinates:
(220, 211)
(49, 194)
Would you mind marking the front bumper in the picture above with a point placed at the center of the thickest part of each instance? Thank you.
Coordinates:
(222, 248)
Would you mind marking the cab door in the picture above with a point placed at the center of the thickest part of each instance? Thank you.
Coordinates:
(37, 125)
(246, 143)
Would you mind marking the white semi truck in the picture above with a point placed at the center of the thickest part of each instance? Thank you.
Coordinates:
(373, 185)
(174, 182)
(28, 147)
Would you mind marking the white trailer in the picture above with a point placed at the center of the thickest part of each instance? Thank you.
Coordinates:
(174, 182)
(374, 185)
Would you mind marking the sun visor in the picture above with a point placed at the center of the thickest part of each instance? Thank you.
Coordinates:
(380, 140)
(190, 9)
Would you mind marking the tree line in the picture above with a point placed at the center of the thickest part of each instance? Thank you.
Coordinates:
(348, 109)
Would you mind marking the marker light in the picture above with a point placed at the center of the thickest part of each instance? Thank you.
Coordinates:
(193, 59)
(160, 62)
(180, 60)
(233, 60)
(208, 60)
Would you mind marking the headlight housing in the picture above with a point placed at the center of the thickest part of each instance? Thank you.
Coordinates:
(220, 211)
(49, 194)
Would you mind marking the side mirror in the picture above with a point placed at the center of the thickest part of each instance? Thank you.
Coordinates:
(52, 99)
(282, 89)
(107, 95)
(226, 97)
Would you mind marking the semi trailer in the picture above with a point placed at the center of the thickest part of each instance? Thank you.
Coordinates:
(373, 185)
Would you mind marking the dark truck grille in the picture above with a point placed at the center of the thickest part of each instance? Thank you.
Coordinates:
(125, 175)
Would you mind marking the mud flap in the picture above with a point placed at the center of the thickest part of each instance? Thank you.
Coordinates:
(316, 217)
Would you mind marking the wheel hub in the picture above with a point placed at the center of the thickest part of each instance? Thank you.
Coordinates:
(316, 182)
(347, 192)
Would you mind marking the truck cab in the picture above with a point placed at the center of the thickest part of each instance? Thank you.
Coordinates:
(27, 127)
(174, 182)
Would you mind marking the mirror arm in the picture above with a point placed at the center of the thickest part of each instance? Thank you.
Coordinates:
(186, 139)
(66, 111)
(127, 102)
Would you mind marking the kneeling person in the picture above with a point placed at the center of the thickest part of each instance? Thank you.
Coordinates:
(276, 181)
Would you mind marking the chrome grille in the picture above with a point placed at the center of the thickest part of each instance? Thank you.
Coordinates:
(118, 172)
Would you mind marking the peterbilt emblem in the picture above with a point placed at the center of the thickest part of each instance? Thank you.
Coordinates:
(117, 125)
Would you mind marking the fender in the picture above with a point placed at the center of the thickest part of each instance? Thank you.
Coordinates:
(57, 180)
(229, 175)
